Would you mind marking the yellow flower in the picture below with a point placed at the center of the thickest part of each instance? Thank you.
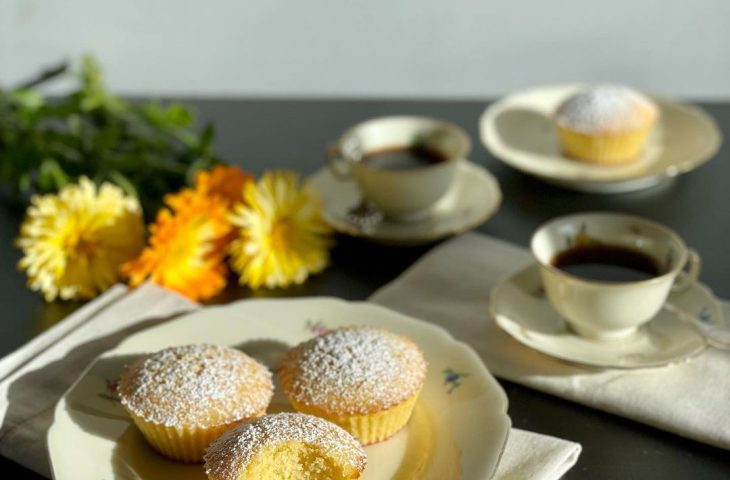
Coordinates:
(74, 242)
(282, 237)
(187, 246)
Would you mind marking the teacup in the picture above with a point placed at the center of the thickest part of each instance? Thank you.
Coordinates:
(610, 310)
(403, 194)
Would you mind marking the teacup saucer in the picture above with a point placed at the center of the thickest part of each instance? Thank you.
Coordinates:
(518, 130)
(471, 200)
(520, 307)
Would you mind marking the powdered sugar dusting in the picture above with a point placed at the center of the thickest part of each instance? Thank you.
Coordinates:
(354, 370)
(228, 456)
(606, 108)
(202, 385)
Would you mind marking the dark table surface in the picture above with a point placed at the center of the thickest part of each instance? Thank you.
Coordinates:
(262, 134)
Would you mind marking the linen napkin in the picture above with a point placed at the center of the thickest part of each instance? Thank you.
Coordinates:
(36, 376)
(450, 286)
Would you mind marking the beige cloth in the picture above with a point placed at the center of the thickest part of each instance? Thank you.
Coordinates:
(534, 456)
(450, 286)
(37, 375)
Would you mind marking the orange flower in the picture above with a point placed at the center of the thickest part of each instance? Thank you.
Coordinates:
(222, 181)
(189, 239)
(187, 246)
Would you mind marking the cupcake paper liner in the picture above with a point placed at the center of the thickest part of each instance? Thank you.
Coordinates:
(183, 444)
(370, 428)
(604, 148)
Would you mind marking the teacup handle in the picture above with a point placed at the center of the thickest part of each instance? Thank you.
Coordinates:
(337, 163)
(690, 272)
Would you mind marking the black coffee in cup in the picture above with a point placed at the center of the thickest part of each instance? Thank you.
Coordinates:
(607, 263)
(403, 158)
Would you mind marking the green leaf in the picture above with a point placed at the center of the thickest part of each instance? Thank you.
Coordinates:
(206, 139)
(179, 115)
(149, 148)
(25, 182)
(123, 182)
(27, 99)
(50, 175)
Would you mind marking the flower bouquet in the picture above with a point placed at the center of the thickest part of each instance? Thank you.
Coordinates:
(84, 229)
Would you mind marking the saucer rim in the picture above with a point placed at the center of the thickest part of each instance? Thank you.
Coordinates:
(582, 181)
(498, 319)
(403, 238)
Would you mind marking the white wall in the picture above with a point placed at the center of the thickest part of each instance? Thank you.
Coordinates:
(436, 48)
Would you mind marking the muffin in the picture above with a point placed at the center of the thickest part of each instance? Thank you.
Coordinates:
(364, 379)
(182, 398)
(606, 125)
(285, 446)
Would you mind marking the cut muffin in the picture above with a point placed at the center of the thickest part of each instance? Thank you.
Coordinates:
(606, 124)
(364, 379)
(182, 398)
(285, 446)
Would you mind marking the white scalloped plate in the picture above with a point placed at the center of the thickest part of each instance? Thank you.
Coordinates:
(518, 130)
(458, 430)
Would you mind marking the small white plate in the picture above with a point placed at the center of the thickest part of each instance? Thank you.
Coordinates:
(458, 429)
(472, 199)
(518, 130)
(520, 307)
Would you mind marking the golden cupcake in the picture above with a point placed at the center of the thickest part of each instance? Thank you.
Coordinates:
(285, 446)
(182, 398)
(364, 379)
(606, 125)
